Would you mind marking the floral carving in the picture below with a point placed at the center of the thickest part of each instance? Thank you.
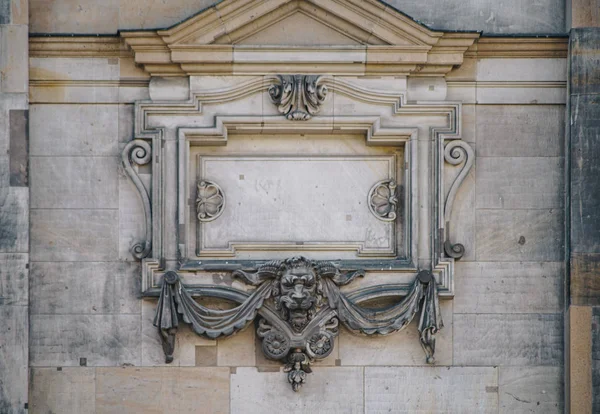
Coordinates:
(383, 200)
(298, 97)
(210, 201)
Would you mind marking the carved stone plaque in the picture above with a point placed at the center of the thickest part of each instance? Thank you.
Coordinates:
(291, 203)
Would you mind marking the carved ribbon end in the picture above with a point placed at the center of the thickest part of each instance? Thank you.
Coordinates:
(166, 319)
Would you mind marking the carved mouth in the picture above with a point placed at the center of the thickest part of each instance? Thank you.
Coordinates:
(293, 304)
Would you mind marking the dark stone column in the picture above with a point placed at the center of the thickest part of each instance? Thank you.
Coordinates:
(583, 221)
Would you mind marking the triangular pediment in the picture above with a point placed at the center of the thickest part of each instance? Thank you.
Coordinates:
(296, 29)
(288, 36)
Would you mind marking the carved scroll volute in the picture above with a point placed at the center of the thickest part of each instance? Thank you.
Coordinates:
(139, 152)
(298, 97)
(456, 152)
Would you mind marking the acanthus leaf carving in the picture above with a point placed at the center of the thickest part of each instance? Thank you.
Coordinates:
(300, 306)
(298, 97)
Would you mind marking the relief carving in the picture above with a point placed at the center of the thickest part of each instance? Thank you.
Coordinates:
(298, 97)
(383, 200)
(300, 306)
(210, 201)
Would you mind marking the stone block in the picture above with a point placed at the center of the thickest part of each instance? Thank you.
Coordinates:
(585, 279)
(520, 130)
(5, 12)
(186, 344)
(520, 235)
(585, 172)
(161, 390)
(14, 279)
(63, 68)
(19, 11)
(520, 182)
(400, 348)
(102, 340)
(9, 102)
(327, 390)
(74, 235)
(585, 60)
(578, 359)
(126, 121)
(583, 14)
(80, 288)
(135, 15)
(531, 390)
(14, 218)
(19, 147)
(62, 390)
(74, 182)
(503, 339)
(74, 16)
(595, 359)
(14, 55)
(522, 70)
(509, 287)
(431, 389)
(517, 94)
(13, 359)
(237, 350)
(89, 94)
(73, 130)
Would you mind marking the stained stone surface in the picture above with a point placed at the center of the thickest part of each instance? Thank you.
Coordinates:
(531, 389)
(62, 390)
(431, 389)
(503, 339)
(329, 390)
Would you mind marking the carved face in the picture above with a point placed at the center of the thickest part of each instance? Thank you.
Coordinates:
(298, 294)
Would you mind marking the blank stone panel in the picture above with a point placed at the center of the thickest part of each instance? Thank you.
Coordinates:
(328, 390)
(515, 340)
(531, 390)
(74, 16)
(74, 235)
(74, 182)
(520, 130)
(431, 389)
(14, 219)
(13, 357)
(509, 287)
(520, 182)
(526, 235)
(162, 390)
(103, 340)
(64, 390)
(73, 130)
(79, 288)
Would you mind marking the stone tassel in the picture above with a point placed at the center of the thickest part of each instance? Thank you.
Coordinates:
(166, 319)
(431, 317)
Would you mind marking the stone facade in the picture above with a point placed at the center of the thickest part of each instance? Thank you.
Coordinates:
(521, 321)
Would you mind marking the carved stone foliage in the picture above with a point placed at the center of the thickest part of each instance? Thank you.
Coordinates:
(300, 306)
(210, 201)
(298, 97)
(383, 200)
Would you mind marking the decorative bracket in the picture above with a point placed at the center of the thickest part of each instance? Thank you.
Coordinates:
(456, 152)
(139, 152)
(298, 97)
(300, 305)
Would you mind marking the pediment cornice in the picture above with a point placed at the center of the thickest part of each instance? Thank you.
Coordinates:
(215, 41)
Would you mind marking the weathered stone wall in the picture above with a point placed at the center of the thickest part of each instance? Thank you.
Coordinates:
(14, 207)
(109, 16)
(92, 346)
